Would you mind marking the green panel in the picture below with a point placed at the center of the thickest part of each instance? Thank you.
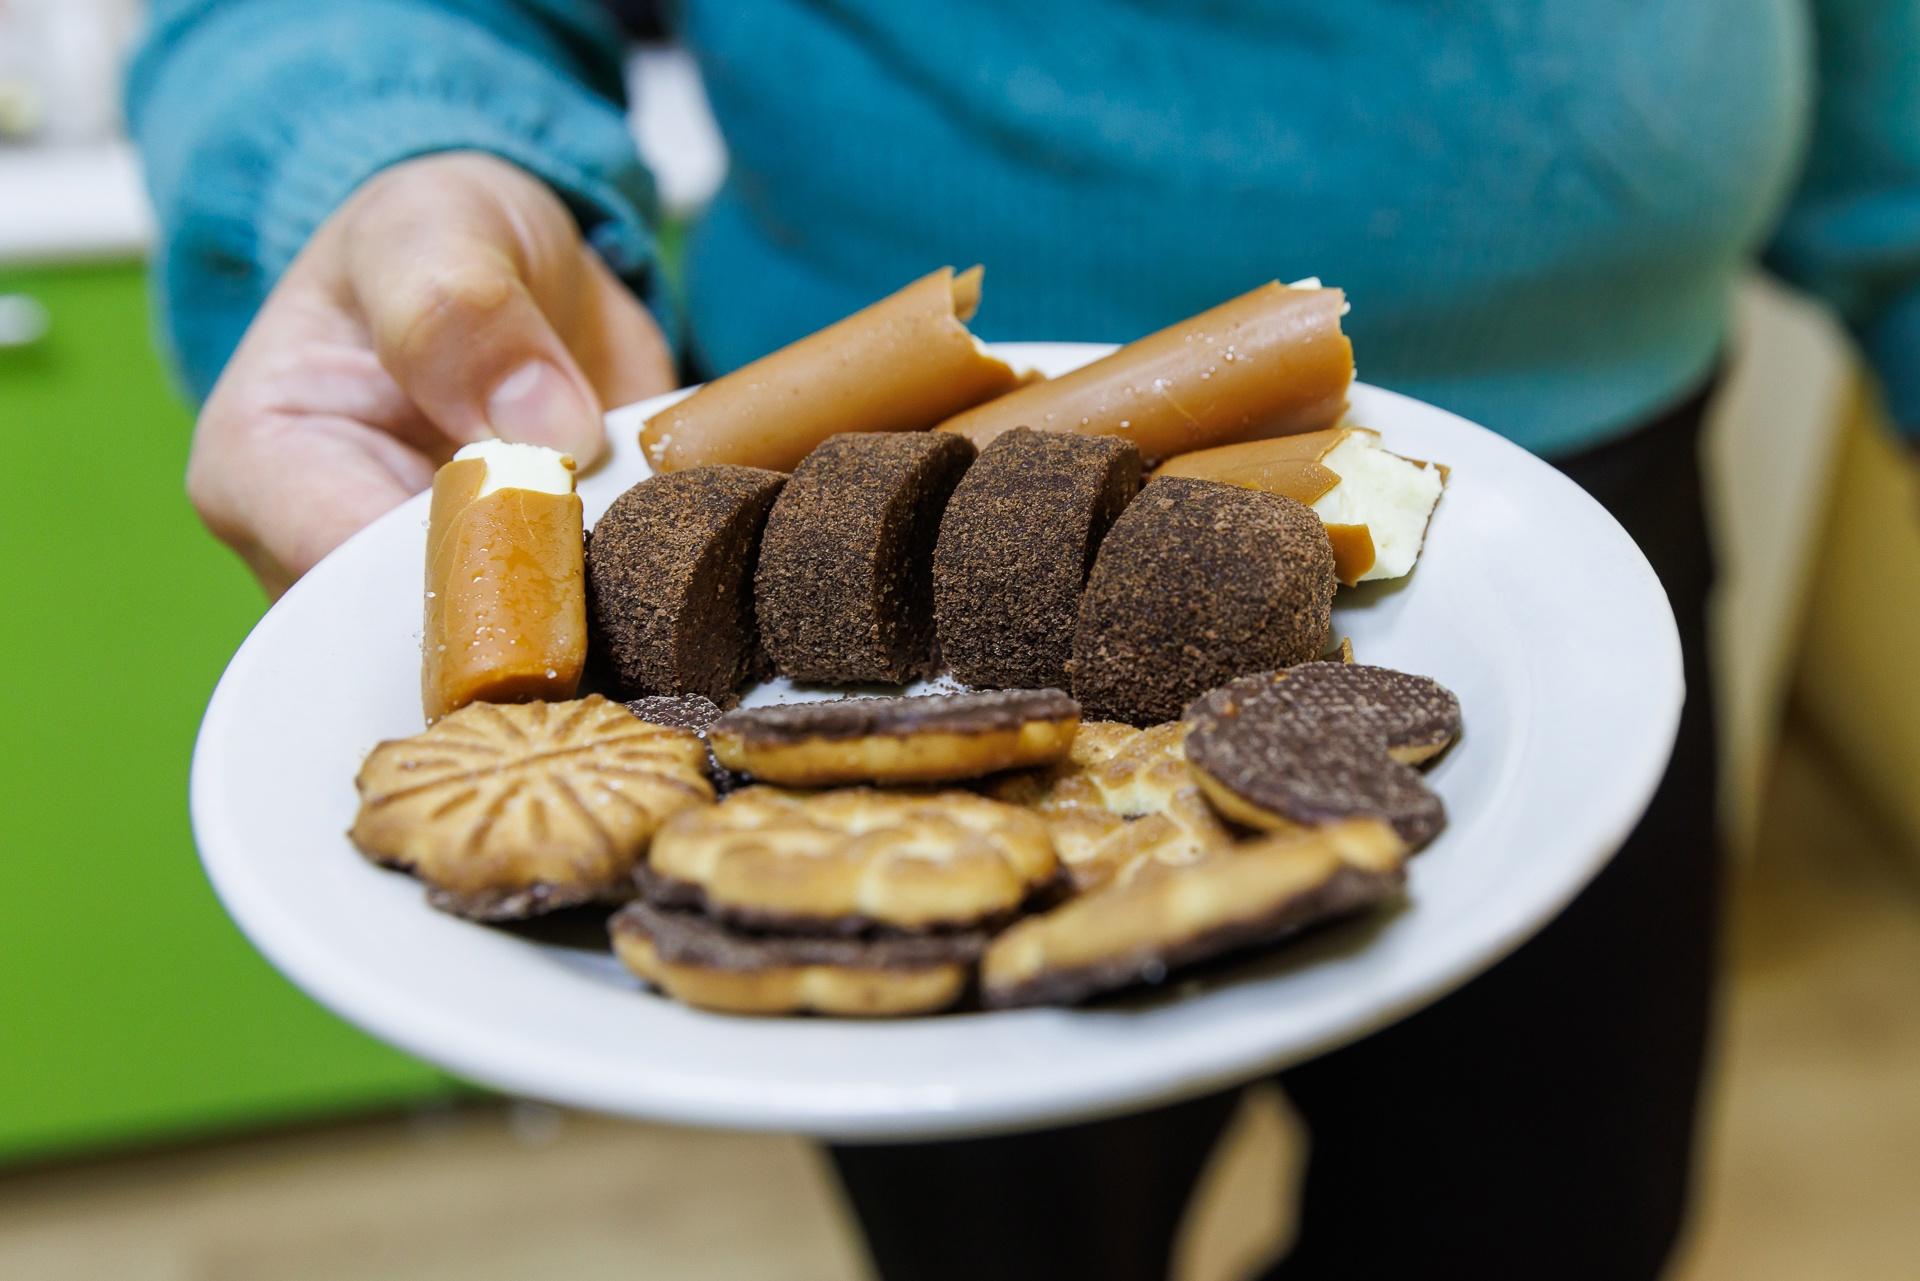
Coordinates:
(129, 1006)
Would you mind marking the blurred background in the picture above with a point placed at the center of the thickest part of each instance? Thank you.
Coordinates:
(170, 1108)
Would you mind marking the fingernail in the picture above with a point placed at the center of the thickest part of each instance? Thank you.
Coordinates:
(538, 404)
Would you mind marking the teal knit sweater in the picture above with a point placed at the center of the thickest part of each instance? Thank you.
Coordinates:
(1537, 207)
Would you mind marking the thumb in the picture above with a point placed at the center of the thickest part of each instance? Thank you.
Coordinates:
(455, 324)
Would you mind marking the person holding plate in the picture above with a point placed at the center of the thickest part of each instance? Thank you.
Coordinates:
(393, 227)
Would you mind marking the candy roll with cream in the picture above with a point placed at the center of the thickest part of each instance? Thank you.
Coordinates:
(1268, 363)
(1376, 504)
(902, 364)
(506, 603)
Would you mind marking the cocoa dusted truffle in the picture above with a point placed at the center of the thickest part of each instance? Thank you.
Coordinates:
(670, 580)
(844, 589)
(1015, 547)
(1197, 583)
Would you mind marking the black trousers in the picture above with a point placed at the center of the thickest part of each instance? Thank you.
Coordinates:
(1537, 1123)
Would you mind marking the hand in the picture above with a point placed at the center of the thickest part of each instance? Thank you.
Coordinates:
(449, 299)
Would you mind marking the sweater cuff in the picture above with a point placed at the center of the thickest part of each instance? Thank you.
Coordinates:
(333, 149)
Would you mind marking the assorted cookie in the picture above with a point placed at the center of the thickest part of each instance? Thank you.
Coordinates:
(932, 738)
(1122, 799)
(852, 860)
(1143, 929)
(844, 586)
(510, 810)
(1197, 583)
(1017, 541)
(854, 902)
(1324, 742)
(703, 963)
(670, 580)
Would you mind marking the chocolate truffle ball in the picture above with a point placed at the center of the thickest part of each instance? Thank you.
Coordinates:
(670, 580)
(1197, 583)
(845, 584)
(1015, 547)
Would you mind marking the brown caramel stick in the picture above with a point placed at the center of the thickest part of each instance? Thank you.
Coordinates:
(506, 606)
(1289, 465)
(1269, 363)
(903, 364)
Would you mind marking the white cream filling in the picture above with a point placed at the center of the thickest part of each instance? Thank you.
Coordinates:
(1393, 497)
(512, 465)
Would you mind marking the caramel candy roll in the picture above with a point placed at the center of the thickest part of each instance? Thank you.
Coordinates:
(506, 617)
(1268, 363)
(903, 364)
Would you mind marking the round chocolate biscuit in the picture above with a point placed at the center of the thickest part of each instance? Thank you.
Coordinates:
(844, 588)
(1324, 742)
(702, 962)
(1170, 916)
(1015, 548)
(925, 739)
(1198, 583)
(670, 580)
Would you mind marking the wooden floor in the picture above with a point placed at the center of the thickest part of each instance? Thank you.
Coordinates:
(1813, 1168)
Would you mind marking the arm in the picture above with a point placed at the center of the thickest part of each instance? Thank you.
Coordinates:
(1852, 231)
(387, 227)
(257, 118)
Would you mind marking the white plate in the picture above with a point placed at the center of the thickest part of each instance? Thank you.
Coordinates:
(1530, 603)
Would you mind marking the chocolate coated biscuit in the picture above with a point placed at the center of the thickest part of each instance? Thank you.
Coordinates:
(925, 739)
(1198, 583)
(1017, 542)
(844, 586)
(1323, 742)
(704, 963)
(1142, 929)
(670, 580)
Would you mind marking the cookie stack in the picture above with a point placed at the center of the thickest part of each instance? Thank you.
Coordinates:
(862, 900)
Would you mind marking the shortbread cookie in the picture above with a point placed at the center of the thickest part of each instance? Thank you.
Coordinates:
(1014, 551)
(929, 739)
(1323, 742)
(845, 583)
(1198, 583)
(698, 960)
(853, 861)
(1143, 929)
(1123, 798)
(508, 811)
(670, 580)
